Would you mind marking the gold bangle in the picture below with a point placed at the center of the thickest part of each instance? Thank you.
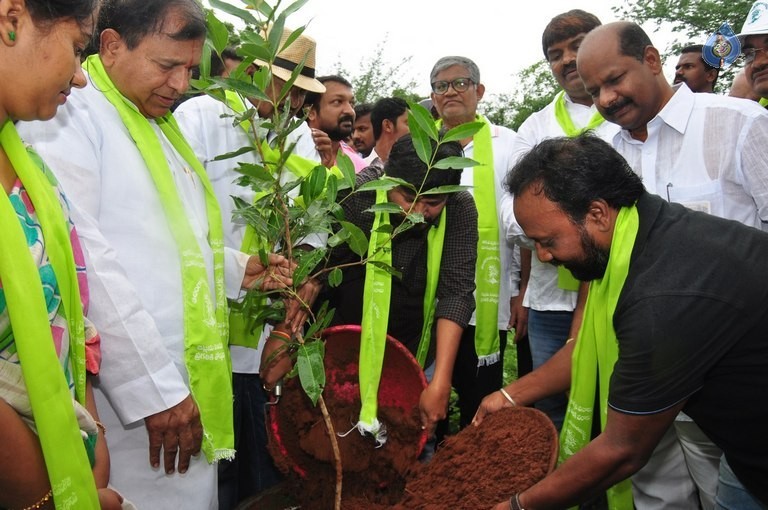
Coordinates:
(280, 334)
(506, 395)
(101, 427)
(569, 340)
(40, 503)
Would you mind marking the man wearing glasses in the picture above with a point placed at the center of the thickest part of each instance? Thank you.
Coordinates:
(754, 44)
(478, 371)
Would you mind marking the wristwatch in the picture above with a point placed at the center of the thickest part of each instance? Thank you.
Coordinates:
(514, 502)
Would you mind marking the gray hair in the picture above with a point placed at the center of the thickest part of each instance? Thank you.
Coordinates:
(446, 62)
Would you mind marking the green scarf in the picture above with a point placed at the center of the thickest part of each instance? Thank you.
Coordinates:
(65, 457)
(205, 323)
(240, 331)
(565, 279)
(376, 304)
(488, 266)
(597, 350)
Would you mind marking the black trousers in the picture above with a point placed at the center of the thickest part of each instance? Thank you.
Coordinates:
(473, 383)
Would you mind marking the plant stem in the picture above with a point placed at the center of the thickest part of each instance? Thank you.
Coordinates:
(336, 452)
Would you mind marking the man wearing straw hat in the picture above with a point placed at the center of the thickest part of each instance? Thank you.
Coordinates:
(208, 126)
(159, 272)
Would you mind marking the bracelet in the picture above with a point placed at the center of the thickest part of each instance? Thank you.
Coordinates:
(40, 503)
(514, 502)
(280, 334)
(506, 395)
(569, 340)
(101, 427)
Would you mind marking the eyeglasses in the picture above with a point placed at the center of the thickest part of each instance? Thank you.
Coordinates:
(458, 84)
(749, 54)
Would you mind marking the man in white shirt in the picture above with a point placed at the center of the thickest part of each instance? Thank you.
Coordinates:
(551, 303)
(754, 43)
(478, 371)
(692, 70)
(158, 270)
(207, 124)
(704, 151)
(389, 121)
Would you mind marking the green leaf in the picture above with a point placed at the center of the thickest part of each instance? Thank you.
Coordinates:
(217, 32)
(335, 277)
(311, 370)
(314, 184)
(385, 183)
(338, 238)
(415, 218)
(253, 51)
(386, 267)
(455, 163)
(255, 171)
(307, 263)
(324, 317)
(331, 188)
(242, 87)
(238, 152)
(422, 120)
(357, 241)
(421, 141)
(462, 131)
(442, 190)
(205, 61)
(347, 168)
(244, 15)
(295, 6)
(384, 229)
(389, 207)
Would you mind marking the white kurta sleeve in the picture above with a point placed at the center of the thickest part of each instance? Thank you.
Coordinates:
(137, 373)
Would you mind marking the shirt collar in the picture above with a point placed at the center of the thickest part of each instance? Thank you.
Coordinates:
(674, 114)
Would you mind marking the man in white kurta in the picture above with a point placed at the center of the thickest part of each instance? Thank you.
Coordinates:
(208, 126)
(135, 271)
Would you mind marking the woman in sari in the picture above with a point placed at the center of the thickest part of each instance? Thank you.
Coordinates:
(52, 447)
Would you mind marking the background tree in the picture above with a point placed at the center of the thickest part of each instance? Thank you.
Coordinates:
(536, 87)
(376, 77)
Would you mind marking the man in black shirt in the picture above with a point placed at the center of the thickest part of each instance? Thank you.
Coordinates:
(680, 297)
(455, 286)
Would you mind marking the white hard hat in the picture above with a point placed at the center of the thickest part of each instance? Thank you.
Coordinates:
(757, 20)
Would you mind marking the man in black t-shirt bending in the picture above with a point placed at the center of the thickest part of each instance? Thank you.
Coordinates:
(681, 300)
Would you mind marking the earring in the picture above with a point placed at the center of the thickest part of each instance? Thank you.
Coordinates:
(12, 35)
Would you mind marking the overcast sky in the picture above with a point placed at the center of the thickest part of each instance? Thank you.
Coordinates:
(496, 34)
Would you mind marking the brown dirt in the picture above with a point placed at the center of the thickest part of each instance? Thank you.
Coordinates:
(300, 445)
(513, 448)
(480, 466)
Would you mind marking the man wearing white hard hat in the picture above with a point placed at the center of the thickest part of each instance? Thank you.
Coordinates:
(754, 44)
(207, 124)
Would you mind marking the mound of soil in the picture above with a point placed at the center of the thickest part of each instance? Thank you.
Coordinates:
(300, 444)
(480, 466)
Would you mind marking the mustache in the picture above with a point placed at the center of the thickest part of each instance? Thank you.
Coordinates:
(756, 69)
(616, 106)
(568, 68)
(346, 118)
